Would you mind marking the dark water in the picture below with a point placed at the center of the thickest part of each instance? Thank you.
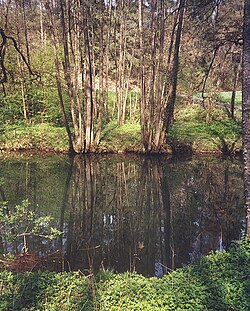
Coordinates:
(149, 214)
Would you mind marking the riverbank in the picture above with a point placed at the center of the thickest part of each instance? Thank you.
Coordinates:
(194, 131)
(220, 281)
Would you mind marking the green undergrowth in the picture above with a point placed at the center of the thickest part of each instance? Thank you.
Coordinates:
(220, 281)
(126, 137)
(195, 129)
(38, 136)
(198, 130)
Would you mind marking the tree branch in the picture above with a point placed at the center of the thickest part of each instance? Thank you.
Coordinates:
(2, 54)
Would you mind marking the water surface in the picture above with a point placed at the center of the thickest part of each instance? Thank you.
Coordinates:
(138, 213)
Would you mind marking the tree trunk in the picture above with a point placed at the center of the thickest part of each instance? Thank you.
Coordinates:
(144, 114)
(59, 85)
(172, 94)
(246, 110)
(101, 77)
(88, 89)
(235, 82)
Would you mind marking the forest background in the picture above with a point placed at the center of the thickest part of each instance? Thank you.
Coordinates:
(116, 74)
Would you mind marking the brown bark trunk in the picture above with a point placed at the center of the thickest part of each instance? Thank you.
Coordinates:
(246, 111)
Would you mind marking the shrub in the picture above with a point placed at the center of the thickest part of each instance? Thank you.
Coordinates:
(220, 281)
(44, 291)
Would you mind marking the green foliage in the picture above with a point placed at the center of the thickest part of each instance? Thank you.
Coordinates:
(41, 105)
(220, 281)
(10, 108)
(20, 221)
(44, 291)
(227, 277)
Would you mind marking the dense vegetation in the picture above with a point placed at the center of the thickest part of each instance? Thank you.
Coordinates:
(220, 281)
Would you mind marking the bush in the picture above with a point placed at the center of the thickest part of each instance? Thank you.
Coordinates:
(220, 281)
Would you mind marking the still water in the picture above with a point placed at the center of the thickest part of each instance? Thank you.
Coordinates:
(136, 213)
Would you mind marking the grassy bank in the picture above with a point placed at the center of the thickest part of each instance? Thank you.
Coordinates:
(196, 129)
(29, 137)
(220, 281)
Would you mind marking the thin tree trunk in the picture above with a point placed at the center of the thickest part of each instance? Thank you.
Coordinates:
(101, 79)
(144, 115)
(59, 86)
(67, 73)
(26, 33)
(236, 78)
(88, 89)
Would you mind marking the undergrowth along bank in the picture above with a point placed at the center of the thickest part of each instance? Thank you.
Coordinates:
(195, 130)
(220, 281)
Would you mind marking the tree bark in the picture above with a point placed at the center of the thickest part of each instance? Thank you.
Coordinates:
(144, 114)
(235, 82)
(246, 110)
(88, 89)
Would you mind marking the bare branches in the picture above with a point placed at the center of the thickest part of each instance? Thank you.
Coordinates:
(4, 38)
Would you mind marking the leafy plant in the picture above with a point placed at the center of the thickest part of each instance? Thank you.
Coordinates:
(220, 281)
(20, 222)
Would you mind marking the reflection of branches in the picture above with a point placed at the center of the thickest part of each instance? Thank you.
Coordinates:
(2, 55)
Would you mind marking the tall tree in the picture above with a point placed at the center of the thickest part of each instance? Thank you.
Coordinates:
(246, 108)
(172, 92)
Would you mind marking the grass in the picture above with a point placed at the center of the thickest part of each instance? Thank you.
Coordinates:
(225, 97)
(126, 137)
(220, 281)
(28, 137)
(44, 136)
(199, 129)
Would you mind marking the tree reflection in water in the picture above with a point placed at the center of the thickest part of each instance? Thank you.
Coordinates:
(150, 216)
(144, 214)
